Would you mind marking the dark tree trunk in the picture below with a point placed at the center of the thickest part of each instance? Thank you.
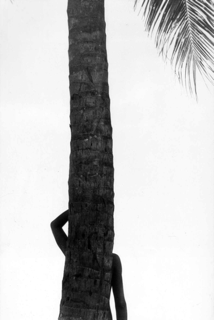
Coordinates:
(87, 275)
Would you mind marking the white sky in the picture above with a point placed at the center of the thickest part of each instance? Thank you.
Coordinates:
(164, 173)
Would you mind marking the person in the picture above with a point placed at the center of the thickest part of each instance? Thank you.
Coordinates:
(116, 282)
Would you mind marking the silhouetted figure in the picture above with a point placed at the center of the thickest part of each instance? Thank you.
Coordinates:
(116, 282)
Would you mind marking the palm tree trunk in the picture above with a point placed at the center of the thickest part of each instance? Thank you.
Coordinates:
(87, 275)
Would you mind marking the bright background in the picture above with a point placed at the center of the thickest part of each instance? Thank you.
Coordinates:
(164, 169)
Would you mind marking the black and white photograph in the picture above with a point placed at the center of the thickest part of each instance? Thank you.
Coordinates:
(107, 160)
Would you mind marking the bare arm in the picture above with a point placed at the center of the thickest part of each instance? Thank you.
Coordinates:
(117, 286)
(59, 234)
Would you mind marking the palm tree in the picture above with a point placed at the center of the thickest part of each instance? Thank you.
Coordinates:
(87, 274)
(184, 30)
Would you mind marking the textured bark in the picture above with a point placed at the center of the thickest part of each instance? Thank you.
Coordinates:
(87, 276)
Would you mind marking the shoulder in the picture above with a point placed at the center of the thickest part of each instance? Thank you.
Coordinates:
(116, 258)
(116, 265)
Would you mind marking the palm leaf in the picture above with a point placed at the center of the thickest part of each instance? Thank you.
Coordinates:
(184, 34)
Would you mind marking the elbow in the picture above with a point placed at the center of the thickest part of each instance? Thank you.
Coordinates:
(121, 310)
(121, 305)
(52, 225)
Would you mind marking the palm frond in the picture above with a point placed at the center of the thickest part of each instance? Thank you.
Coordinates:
(184, 34)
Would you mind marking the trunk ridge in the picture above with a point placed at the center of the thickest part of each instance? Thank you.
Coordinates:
(87, 274)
